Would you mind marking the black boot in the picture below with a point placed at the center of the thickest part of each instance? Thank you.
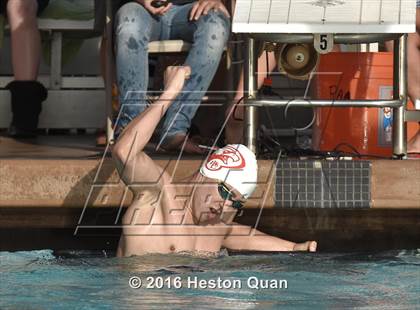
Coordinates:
(27, 97)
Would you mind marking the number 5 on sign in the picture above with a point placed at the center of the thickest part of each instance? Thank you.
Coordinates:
(323, 42)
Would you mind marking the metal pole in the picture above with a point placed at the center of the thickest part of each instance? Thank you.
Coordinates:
(399, 134)
(108, 73)
(250, 92)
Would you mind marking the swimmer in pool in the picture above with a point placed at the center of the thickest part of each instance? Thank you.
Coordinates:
(159, 221)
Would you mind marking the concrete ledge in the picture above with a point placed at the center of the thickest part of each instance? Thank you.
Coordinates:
(395, 184)
(84, 182)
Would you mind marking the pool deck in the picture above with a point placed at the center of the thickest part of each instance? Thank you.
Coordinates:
(45, 185)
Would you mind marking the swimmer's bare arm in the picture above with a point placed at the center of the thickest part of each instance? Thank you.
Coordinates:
(241, 237)
(132, 163)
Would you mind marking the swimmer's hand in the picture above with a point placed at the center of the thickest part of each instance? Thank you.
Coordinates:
(155, 11)
(174, 79)
(308, 246)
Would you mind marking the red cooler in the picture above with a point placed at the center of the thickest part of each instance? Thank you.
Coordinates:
(355, 76)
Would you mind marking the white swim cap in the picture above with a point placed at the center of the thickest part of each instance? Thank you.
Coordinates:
(235, 165)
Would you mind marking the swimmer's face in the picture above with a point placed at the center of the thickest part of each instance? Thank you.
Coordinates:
(209, 207)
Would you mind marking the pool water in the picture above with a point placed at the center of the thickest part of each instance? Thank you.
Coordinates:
(40, 280)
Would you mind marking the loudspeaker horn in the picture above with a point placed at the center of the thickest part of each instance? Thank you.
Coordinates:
(298, 61)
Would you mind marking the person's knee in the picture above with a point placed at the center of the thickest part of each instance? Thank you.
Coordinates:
(131, 11)
(22, 11)
(217, 27)
(133, 26)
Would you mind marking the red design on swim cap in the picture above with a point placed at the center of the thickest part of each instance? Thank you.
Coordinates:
(230, 158)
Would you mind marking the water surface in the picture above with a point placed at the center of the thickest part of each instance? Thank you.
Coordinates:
(40, 280)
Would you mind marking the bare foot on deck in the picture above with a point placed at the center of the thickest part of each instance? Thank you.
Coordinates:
(308, 246)
(413, 145)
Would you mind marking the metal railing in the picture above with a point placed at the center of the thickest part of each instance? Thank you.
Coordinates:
(398, 103)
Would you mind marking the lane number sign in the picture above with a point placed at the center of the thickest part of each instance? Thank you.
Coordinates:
(323, 42)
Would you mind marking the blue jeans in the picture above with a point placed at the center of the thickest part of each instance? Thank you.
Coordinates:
(135, 28)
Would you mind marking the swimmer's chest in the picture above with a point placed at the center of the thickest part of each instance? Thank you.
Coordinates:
(172, 238)
(185, 239)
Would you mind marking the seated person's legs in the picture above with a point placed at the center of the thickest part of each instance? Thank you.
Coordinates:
(27, 93)
(209, 35)
(134, 28)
